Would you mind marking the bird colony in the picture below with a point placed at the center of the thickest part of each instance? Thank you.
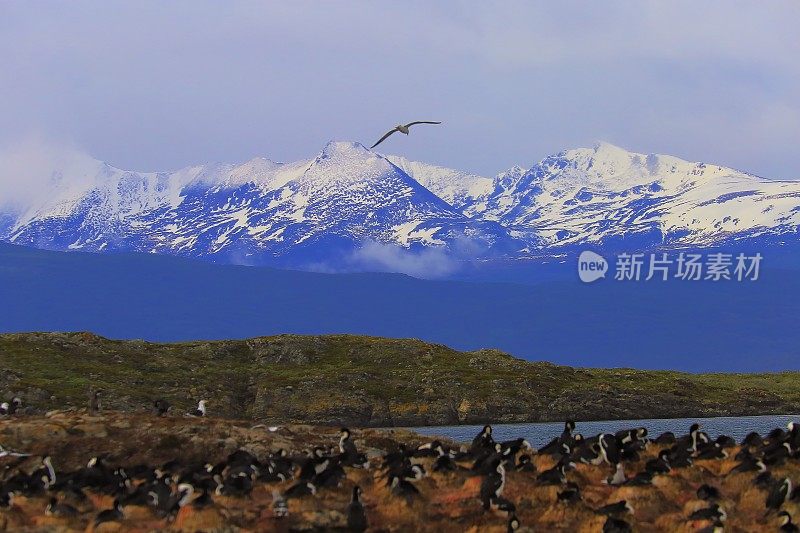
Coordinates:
(84, 470)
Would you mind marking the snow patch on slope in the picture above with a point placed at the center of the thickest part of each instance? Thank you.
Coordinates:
(459, 189)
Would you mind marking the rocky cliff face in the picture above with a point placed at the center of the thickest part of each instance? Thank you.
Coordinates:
(365, 381)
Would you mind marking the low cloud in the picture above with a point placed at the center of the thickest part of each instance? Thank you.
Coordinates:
(429, 263)
(28, 169)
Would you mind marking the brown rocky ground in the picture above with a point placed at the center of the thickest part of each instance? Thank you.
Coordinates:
(448, 501)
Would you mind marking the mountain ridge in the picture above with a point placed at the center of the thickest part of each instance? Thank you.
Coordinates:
(326, 209)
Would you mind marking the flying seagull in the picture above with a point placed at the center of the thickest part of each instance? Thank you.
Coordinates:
(402, 129)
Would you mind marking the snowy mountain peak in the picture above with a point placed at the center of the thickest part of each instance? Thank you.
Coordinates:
(343, 163)
(260, 211)
(607, 150)
(606, 193)
(256, 165)
(603, 162)
(607, 167)
(345, 149)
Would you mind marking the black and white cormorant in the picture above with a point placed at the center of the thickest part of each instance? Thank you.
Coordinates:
(200, 411)
(356, 515)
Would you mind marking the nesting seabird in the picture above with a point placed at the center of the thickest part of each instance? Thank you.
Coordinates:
(200, 411)
(10, 453)
(356, 516)
(571, 494)
(618, 478)
(401, 487)
(617, 508)
(60, 509)
(402, 128)
(182, 497)
(713, 512)
(115, 514)
(6, 499)
(9, 408)
(787, 526)
(555, 476)
(779, 493)
(616, 525)
(48, 472)
(482, 441)
(493, 484)
(280, 509)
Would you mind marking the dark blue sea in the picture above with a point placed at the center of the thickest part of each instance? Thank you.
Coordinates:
(541, 433)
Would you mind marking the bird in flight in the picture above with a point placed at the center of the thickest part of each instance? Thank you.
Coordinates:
(402, 129)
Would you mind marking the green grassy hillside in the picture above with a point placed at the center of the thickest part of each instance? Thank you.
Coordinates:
(343, 379)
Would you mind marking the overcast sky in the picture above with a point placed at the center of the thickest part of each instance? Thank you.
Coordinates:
(155, 85)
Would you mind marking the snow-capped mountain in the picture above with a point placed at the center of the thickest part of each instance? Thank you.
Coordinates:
(605, 193)
(325, 209)
(252, 213)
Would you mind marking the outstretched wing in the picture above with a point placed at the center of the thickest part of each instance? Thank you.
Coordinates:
(421, 122)
(382, 139)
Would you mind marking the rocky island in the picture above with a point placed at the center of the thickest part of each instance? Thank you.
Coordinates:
(365, 381)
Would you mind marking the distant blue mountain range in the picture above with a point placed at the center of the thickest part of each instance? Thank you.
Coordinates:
(727, 326)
